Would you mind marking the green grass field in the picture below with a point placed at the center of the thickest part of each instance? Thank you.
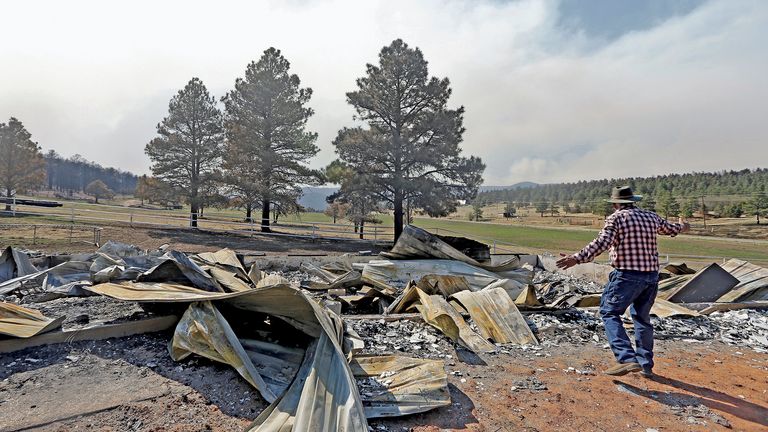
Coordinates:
(567, 240)
(508, 237)
(570, 240)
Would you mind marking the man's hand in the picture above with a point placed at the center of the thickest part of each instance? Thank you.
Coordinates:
(566, 262)
(686, 225)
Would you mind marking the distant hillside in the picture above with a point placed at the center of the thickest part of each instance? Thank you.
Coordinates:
(682, 186)
(314, 197)
(73, 174)
(521, 185)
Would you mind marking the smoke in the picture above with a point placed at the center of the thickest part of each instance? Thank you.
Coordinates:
(545, 101)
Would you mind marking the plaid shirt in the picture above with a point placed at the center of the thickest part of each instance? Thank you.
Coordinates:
(630, 233)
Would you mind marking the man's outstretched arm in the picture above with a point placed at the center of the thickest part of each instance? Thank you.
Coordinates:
(599, 245)
(673, 229)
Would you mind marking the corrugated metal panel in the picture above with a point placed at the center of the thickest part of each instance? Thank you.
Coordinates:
(708, 284)
(226, 257)
(179, 268)
(323, 394)
(157, 292)
(390, 276)
(18, 321)
(496, 316)
(669, 286)
(14, 263)
(406, 385)
(416, 243)
(438, 313)
(753, 281)
(664, 309)
(205, 332)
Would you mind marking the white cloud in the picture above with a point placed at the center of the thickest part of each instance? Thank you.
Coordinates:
(543, 104)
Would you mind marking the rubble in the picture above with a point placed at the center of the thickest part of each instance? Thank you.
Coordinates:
(531, 383)
(743, 328)
(298, 335)
(574, 326)
(402, 336)
(392, 386)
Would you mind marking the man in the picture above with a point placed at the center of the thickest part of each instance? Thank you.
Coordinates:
(630, 233)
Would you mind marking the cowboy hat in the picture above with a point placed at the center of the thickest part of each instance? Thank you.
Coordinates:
(623, 195)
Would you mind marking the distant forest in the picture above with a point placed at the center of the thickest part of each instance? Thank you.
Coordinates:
(73, 174)
(741, 183)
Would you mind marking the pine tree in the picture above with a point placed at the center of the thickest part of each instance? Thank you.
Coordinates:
(602, 208)
(354, 191)
(541, 207)
(22, 166)
(336, 210)
(553, 208)
(758, 206)
(687, 208)
(187, 153)
(477, 211)
(99, 189)
(509, 210)
(668, 205)
(143, 189)
(409, 150)
(268, 146)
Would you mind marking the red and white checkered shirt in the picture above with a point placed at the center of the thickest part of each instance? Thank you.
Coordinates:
(630, 233)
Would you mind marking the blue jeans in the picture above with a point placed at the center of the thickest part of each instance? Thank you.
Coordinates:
(636, 290)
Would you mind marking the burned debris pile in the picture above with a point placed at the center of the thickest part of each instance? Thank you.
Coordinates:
(332, 343)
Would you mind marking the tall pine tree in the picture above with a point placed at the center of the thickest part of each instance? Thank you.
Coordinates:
(410, 148)
(22, 166)
(268, 145)
(187, 153)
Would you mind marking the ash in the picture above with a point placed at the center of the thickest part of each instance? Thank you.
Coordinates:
(403, 336)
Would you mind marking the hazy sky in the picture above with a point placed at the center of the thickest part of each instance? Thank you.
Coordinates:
(553, 90)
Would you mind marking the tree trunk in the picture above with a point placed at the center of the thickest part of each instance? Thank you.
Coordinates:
(265, 217)
(398, 215)
(8, 203)
(362, 225)
(334, 218)
(202, 207)
(97, 199)
(193, 214)
(248, 209)
(408, 219)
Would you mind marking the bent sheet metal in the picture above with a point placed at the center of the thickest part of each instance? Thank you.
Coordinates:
(439, 314)
(18, 321)
(753, 282)
(323, 394)
(417, 243)
(394, 385)
(496, 316)
(391, 276)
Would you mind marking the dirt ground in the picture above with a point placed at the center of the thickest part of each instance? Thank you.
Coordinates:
(189, 241)
(131, 384)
